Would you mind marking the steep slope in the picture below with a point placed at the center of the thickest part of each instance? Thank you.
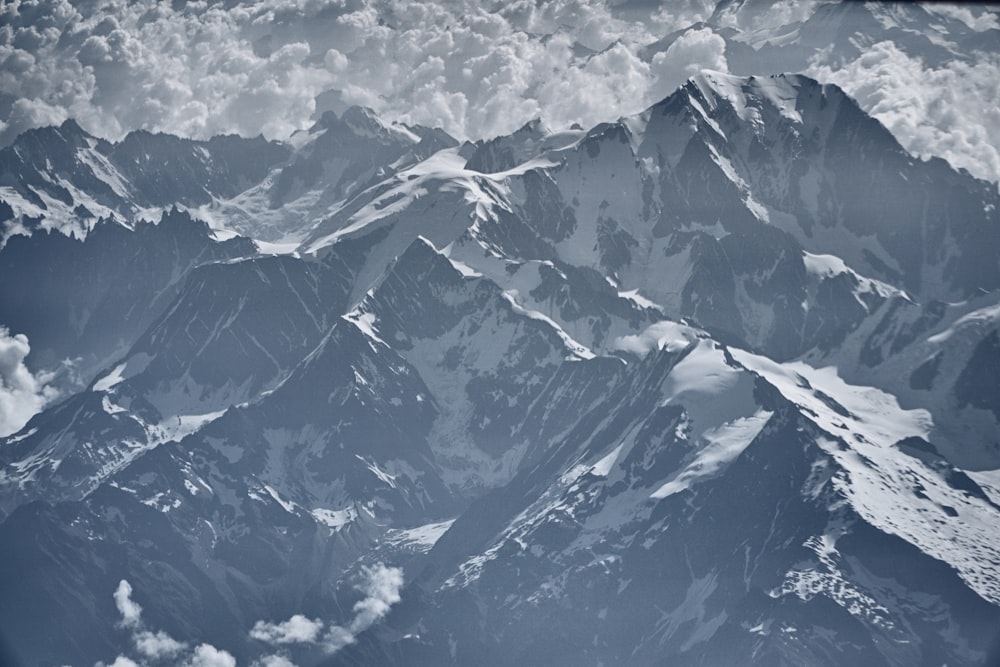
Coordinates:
(940, 357)
(332, 164)
(88, 301)
(771, 210)
(753, 531)
(64, 179)
(712, 384)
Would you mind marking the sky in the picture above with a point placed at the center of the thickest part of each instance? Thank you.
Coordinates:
(931, 73)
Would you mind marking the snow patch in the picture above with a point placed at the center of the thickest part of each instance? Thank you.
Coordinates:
(899, 495)
(334, 519)
(725, 443)
(638, 299)
(366, 323)
(385, 477)
(987, 316)
(665, 335)
(287, 505)
(603, 467)
(111, 379)
(422, 537)
(576, 348)
(829, 266)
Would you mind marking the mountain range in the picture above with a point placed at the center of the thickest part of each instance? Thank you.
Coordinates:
(712, 384)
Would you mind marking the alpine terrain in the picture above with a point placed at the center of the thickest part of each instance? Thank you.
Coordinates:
(712, 384)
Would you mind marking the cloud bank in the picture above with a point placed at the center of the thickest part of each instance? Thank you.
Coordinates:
(951, 112)
(476, 69)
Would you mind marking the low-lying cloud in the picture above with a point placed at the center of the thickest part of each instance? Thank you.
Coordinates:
(22, 393)
(157, 646)
(297, 629)
(381, 586)
(206, 655)
(130, 610)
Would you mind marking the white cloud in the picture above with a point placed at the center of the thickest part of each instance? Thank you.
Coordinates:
(692, 52)
(382, 591)
(336, 638)
(157, 645)
(980, 22)
(22, 394)
(120, 661)
(755, 16)
(952, 111)
(207, 655)
(682, 13)
(297, 629)
(273, 661)
(143, 65)
(130, 610)
(381, 586)
(475, 69)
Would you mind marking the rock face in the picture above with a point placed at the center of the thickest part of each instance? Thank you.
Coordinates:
(712, 384)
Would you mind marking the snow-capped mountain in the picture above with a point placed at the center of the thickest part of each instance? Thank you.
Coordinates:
(62, 177)
(709, 384)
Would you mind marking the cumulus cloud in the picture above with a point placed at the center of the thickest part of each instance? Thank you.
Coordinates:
(193, 71)
(273, 661)
(297, 629)
(120, 661)
(979, 19)
(207, 655)
(130, 610)
(157, 645)
(693, 51)
(22, 394)
(382, 591)
(951, 111)
(381, 586)
(476, 69)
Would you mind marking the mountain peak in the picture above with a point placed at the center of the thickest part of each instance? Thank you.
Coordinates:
(780, 91)
(364, 123)
(68, 133)
(534, 127)
(71, 127)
